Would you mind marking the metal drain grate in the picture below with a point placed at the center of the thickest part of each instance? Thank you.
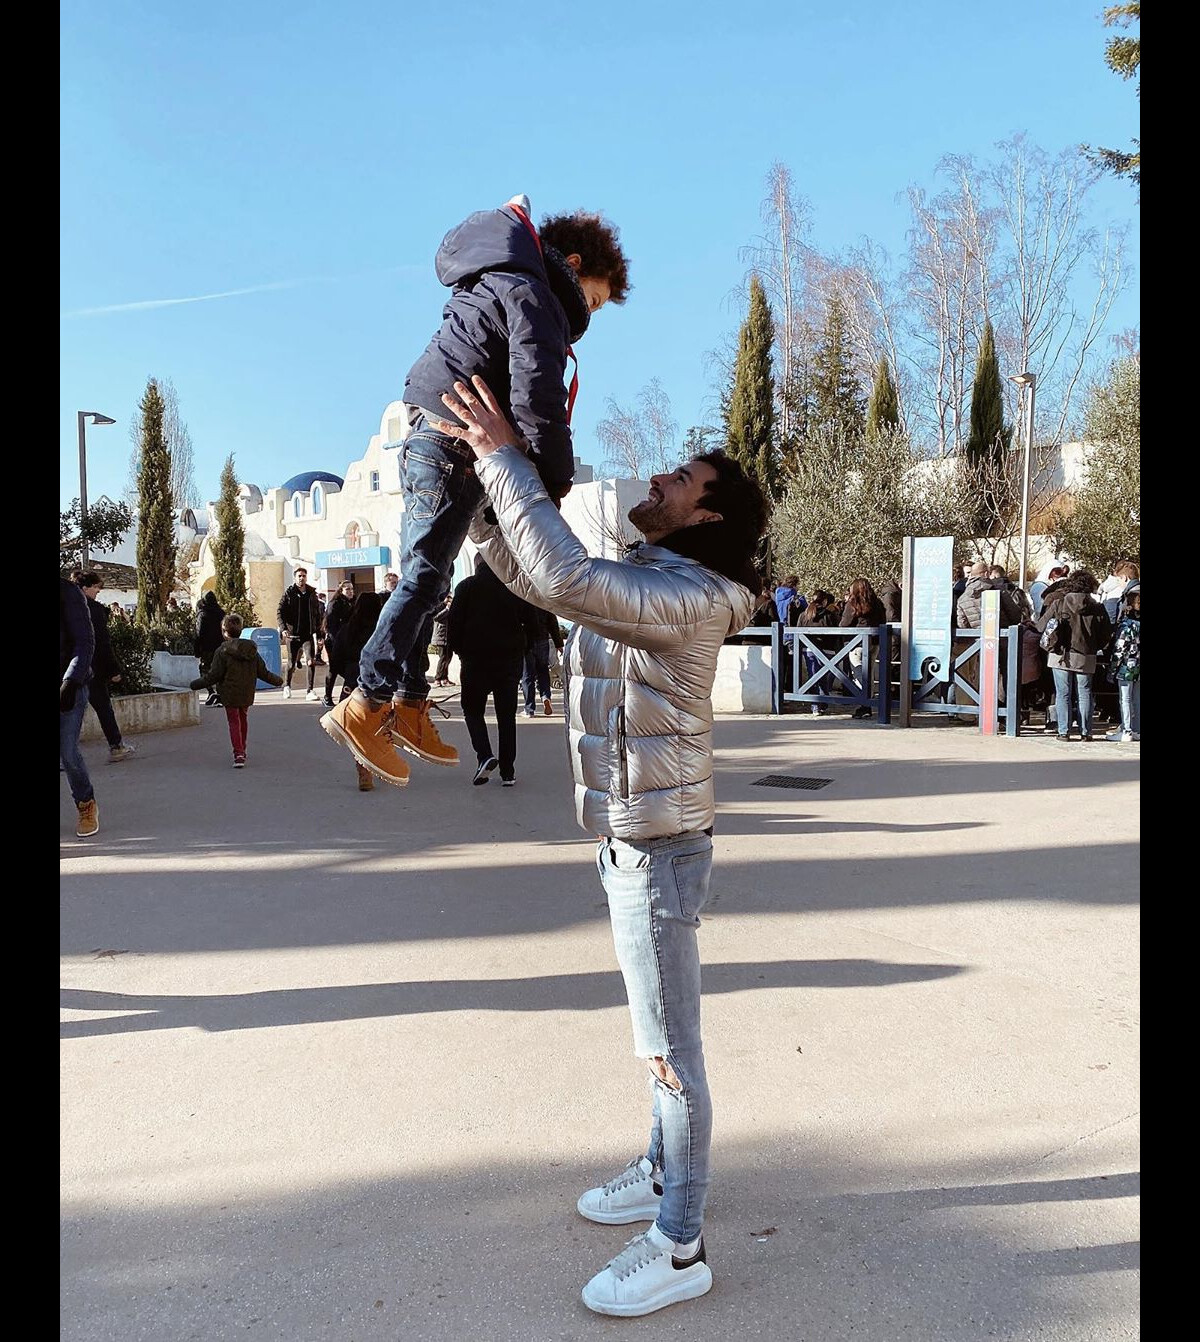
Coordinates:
(787, 780)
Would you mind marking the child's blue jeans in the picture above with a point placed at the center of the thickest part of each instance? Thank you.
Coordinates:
(441, 495)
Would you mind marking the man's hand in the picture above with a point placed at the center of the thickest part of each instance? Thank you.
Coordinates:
(66, 696)
(486, 429)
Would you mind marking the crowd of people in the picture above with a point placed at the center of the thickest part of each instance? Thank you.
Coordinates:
(1080, 659)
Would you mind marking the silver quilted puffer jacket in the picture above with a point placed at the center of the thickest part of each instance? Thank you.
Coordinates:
(639, 664)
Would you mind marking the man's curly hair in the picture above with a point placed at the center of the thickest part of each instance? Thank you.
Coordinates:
(596, 242)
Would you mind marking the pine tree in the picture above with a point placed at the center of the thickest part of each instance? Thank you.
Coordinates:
(156, 524)
(837, 400)
(751, 417)
(990, 438)
(883, 409)
(229, 544)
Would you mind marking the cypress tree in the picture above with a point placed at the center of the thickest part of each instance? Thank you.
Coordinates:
(750, 421)
(156, 524)
(883, 409)
(837, 400)
(990, 438)
(229, 544)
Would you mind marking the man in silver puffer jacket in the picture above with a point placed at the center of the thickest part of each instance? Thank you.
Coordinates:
(639, 666)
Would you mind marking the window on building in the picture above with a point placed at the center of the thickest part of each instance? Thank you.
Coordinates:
(374, 482)
(297, 505)
(352, 534)
(316, 500)
(395, 427)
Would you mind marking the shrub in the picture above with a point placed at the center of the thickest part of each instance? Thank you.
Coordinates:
(132, 649)
(174, 631)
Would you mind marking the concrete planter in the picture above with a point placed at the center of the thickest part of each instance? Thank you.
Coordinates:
(157, 712)
(173, 672)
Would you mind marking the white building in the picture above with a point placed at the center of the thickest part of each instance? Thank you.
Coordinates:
(352, 526)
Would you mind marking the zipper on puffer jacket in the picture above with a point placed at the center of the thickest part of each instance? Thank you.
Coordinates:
(621, 755)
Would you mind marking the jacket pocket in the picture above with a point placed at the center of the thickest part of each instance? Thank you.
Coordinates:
(622, 757)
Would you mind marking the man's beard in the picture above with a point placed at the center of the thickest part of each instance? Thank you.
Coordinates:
(654, 519)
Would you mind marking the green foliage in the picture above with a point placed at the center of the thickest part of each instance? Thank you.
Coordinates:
(132, 648)
(1123, 56)
(156, 526)
(836, 397)
(750, 420)
(107, 522)
(242, 606)
(175, 632)
(1105, 522)
(229, 544)
(849, 503)
(990, 439)
(883, 409)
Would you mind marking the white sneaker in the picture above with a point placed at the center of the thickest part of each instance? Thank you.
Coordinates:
(1122, 736)
(287, 691)
(313, 697)
(647, 1275)
(633, 1195)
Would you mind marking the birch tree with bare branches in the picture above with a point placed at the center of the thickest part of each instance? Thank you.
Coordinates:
(642, 441)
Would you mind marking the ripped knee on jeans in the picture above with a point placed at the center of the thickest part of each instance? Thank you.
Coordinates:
(662, 1071)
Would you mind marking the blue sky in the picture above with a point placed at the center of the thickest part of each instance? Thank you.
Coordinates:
(325, 150)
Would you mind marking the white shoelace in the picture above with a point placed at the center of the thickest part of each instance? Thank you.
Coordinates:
(638, 1253)
(631, 1174)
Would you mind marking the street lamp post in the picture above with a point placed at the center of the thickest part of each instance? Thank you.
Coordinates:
(97, 418)
(1023, 380)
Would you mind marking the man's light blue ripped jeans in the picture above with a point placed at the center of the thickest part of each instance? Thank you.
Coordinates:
(656, 889)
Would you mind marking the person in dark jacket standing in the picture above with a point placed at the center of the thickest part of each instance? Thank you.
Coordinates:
(336, 615)
(863, 609)
(237, 667)
(536, 678)
(1081, 631)
(76, 646)
(490, 630)
(438, 644)
(106, 670)
(520, 298)
(821, 612)
(208, 638)
(300, 627)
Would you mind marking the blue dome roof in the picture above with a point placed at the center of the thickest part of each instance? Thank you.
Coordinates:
(301, 484)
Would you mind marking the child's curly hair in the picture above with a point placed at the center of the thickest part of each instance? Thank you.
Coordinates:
(596, 241)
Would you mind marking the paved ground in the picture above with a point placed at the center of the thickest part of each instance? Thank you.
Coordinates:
(336, 1066)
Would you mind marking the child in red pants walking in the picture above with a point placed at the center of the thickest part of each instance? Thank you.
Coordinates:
(236, 668)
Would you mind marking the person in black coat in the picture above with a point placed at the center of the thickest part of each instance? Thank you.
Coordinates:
(208, 638)
(300, 622)
(106, 670)
(337, 612)
(536, 679)
(76, 648)
(863, 609)
(490, 629)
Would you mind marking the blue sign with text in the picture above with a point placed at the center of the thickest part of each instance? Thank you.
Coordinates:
(933, 608)
(368, 557)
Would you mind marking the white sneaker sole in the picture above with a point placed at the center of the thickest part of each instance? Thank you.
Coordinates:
(692, 1282)
(644, 1211)
(331, 729)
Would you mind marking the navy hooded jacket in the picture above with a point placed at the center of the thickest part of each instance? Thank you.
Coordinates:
(510, 319)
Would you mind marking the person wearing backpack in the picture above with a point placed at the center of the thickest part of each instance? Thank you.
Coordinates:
(1125, 664)
(1075, 629)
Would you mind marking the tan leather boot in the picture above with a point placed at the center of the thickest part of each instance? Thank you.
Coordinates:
(362, 725)
(89, 819)
(413, 731)
(366, 782)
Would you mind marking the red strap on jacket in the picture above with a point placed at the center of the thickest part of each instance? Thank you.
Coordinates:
(573, 391)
